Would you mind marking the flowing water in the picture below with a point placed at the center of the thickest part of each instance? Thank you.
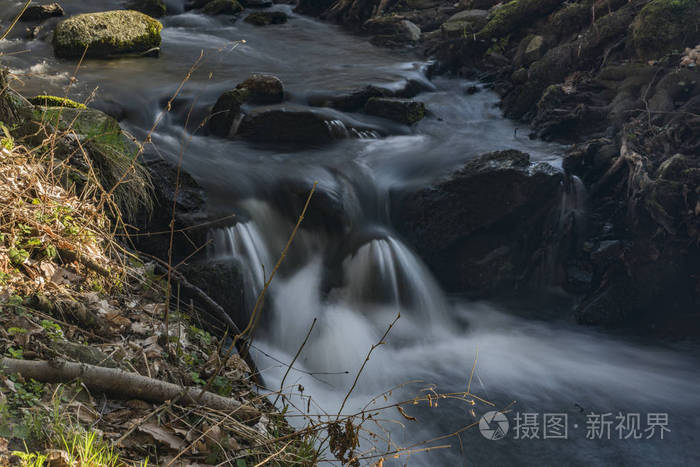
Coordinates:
(356, 280)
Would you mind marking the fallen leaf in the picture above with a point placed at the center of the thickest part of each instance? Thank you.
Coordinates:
(163, 435)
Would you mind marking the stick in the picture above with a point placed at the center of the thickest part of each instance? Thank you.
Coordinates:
(124, 384)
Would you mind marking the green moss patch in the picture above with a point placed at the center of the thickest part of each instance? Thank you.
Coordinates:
(53, 101)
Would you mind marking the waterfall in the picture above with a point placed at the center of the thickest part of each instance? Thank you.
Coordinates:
(384, 271)
(244, 242)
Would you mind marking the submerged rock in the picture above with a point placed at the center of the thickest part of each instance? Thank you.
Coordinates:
(480, 227)
(400, 110)
(42, 12)
(154, 8)
(265, 18)
(106, 34)
(263, 89)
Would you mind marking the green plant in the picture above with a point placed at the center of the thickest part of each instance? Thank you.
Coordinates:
(53, 330)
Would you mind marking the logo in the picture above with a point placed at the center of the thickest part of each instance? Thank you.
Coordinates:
(493, 425)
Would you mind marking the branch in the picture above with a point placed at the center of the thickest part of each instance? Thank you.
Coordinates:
(124, 384)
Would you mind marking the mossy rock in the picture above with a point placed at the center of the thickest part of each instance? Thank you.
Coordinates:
(264, 89)
(514, 15)
(106, 34)
(154, 8)
(665, 26)
(113, 155)
(54, 101)
(222, 7)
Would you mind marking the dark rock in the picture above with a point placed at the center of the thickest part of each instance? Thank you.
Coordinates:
(190, 210)
(400, 110)
(42, 12)
(516, 14)
(263, 89)
(265, 18)
(352, 101)
(154, 8)
(291, 124)
(224, 282)
(313, 7)
(222, 7)
(226, 114)
(479, 228)
(14, 109)
(607, 251)
(257, 3)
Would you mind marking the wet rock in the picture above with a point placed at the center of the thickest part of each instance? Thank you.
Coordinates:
(352, 101)
(477, 4)
(664, 26)
(154, 8)
(265, 18)
(106, 34)
(607, 251)
(263, 89)
(313, 7)
(570, 19)
(257, 3)
(222, 7)
(479, 228)
(223, 281)
(42, 12)
(423, 4)
(392, 31)
(464, 24)
(226, 114)
(190, 210)
(532, 49)
(293, 125)
(400, 110)
(14, 109)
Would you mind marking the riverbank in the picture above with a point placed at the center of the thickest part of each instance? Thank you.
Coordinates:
(97, 355)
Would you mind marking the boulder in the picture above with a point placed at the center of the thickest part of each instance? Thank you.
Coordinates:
(226, 114)
(265, 18)
(391, 31)
(41, 12)
(106, 34)
(665, 26)
(263, 89)
(153, 8)
(222, 7)
(351, 101)
(464, 24)
(400, 110)
(480, 227)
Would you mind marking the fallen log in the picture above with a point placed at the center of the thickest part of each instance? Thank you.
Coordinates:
(124, 384)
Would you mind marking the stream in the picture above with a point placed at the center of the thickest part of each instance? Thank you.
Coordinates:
(532, 357)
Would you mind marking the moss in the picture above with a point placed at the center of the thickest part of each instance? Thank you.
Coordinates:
(106, 34)
(665, 26)
(111, 152)
(263, 18)
(514, 15)
(53, 101)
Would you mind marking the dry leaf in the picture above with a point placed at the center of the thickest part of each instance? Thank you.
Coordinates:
(404, 414)
(165, 436)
